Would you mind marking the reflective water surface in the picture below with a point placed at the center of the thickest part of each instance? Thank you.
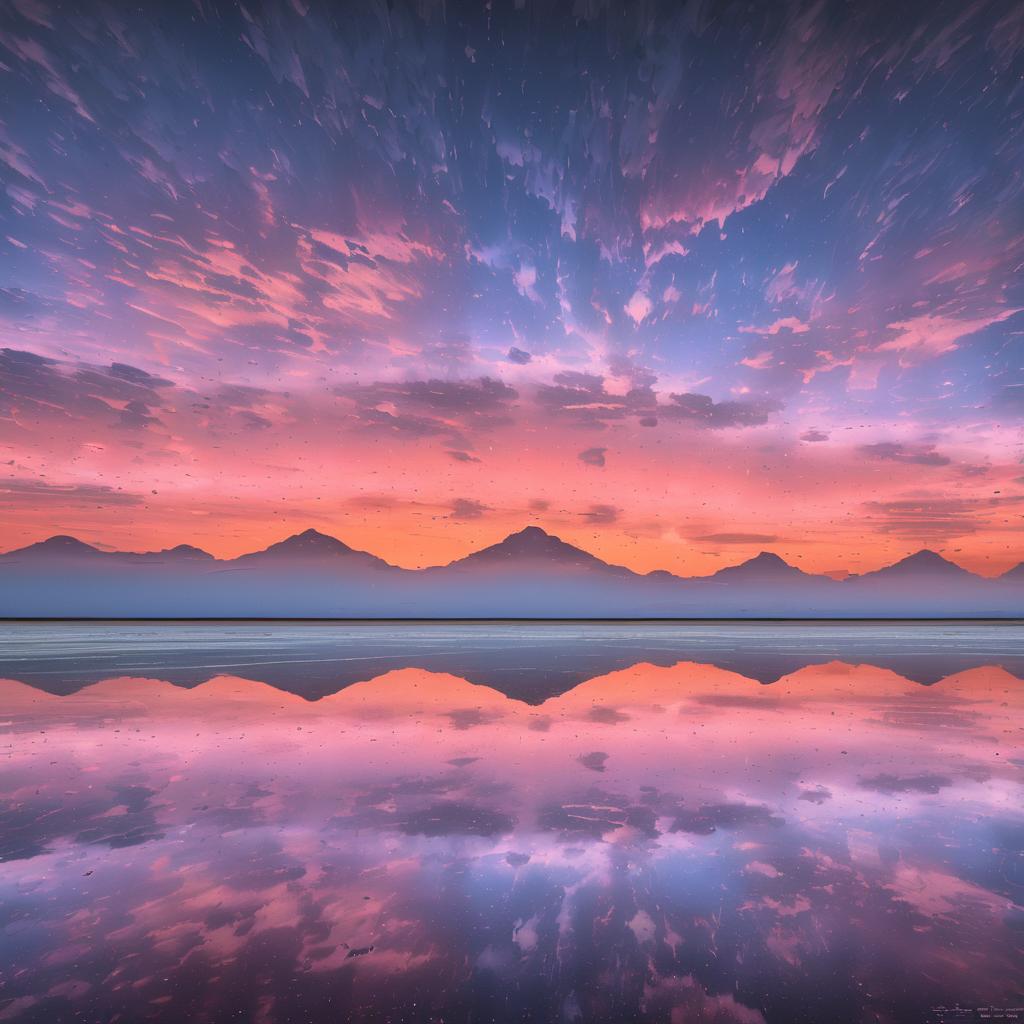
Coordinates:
(471, 823)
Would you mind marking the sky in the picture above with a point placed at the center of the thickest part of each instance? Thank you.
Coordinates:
(676, 282)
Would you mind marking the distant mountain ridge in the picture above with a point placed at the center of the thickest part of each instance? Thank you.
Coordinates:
(922, 565)
(529, 574)
(63, 546)
(1016, 574)
(60, 546)
(531, 544)
(764, 567)
(313, 546)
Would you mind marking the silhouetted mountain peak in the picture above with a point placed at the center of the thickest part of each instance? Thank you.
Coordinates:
(63, 542)
(534, 532)
(309, 543)
(61, 546)
(533, 541)
(763, 566)
(186, 551)
(927, 559)
(180, 555)
(313, 546)
(922, 563)
(768, 560)
(532, 545)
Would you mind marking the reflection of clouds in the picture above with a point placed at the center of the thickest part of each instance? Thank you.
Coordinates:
(707, 819)
(594, 760)
(121, 815)
(817, 795)
(447, 819)
(684, 999)
(365, 850)
(888, 784)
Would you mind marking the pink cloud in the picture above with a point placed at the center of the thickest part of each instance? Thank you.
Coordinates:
(929, 335)
(29, 50)
(381, 245)
(788, 323)
(525, 278)
(794, 83)
(655, 252)
(639, 307)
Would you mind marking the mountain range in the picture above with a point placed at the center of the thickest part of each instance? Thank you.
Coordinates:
(529, 574)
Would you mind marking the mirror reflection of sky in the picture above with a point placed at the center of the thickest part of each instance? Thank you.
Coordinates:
(677, 281)
(660, 843)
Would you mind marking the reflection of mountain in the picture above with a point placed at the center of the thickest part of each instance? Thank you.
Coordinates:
(455, 704)
(416, 811)
(528, 663)
(529, 574)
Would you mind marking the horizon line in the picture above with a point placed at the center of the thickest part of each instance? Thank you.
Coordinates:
(364, 620)
(516, 533)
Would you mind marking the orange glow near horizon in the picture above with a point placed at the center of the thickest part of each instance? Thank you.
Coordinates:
(688, 503)
(383, 303)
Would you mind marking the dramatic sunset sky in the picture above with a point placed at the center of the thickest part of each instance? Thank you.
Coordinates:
(675, 283)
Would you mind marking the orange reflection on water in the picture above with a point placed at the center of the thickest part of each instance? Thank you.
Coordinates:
(657, 839)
